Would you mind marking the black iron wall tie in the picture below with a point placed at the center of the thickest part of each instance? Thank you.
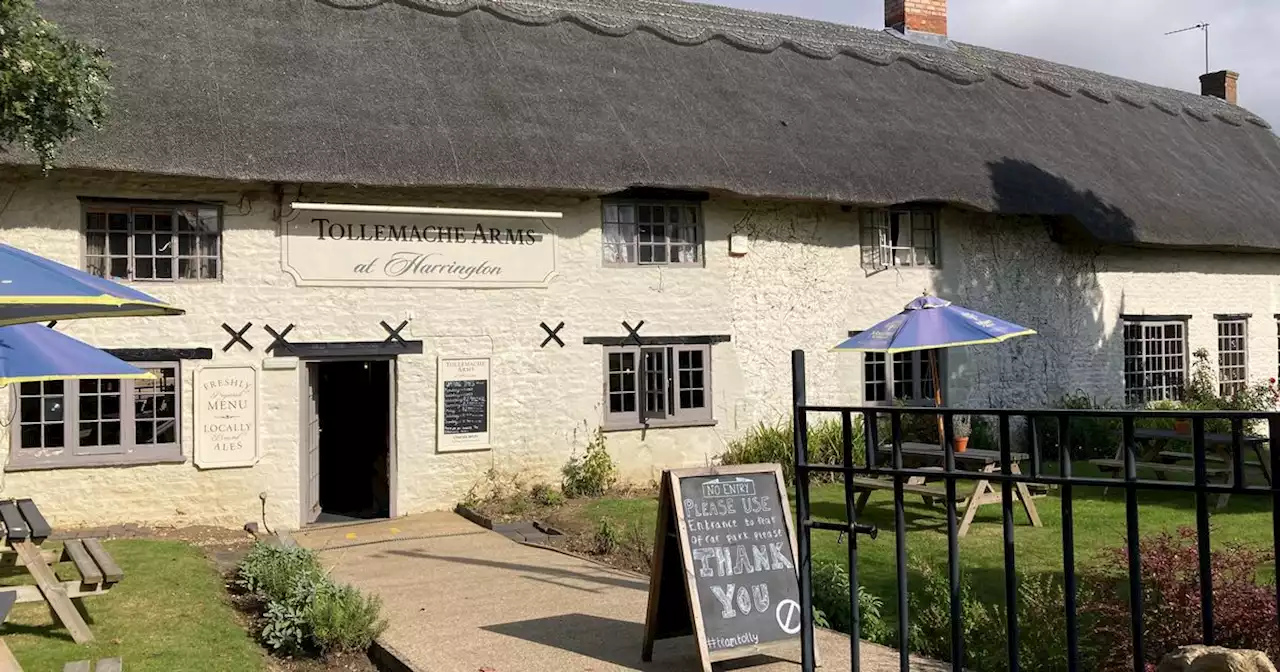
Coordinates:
(633, 338)
(237, 336)
(279, 338)
(393, 334)
(552, 334)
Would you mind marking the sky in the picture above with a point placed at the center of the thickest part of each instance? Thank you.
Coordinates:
(1119, 37)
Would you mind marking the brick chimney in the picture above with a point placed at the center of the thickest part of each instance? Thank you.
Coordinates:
(922, 16)
(1220, 84)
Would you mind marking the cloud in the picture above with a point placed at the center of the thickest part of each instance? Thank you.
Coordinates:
(1119, 37)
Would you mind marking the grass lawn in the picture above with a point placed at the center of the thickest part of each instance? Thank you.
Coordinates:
(169, 613)
(1099, 525)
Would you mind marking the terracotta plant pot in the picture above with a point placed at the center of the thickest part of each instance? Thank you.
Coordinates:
(960, 443)
(1182, 426)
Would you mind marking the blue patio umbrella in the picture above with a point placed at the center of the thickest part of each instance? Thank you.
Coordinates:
(35, 289)
(33, 352)
(928, 323)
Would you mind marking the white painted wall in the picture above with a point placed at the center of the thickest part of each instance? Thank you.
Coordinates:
(801, 285)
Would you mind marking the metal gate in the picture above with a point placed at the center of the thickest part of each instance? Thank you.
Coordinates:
(884, 459)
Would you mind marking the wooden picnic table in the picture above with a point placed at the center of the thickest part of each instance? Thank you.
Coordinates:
(930, 456)
(1155, 453)
(25, 530)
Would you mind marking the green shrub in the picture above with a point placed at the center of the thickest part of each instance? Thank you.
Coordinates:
(606, 539)
(930, 607)
(831, 604)
(593, 474)
(983, 434)
(1091, 437)
(767, 443)
(304, 610)
(1042, 624)
(545, 495)
(1042, 644)
(343, 619)
(274, 571)
(284, 628)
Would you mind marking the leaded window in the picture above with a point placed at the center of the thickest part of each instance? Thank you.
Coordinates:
(153, 242)
(1233, 356)
(68, 423)
(1155, 361)
(642, 233)
(657, 385)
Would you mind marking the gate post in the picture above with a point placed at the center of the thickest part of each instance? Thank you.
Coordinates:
(800, 438)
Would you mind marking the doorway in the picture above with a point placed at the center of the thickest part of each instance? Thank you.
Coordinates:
(349, 417)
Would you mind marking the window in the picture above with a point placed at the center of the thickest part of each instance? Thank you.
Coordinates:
(1155, 361)
(153, 242)
(899, 238)
(652, 234)
(660, 385)
(1233, 360)
(91, 422)
(910, 378)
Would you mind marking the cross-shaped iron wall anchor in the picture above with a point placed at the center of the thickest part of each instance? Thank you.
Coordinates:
(632, 336)
(551, 334)
(279, 338)
(236, 336)
(52, 324)
(394, 334)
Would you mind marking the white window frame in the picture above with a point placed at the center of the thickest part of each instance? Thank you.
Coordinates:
(627, 241)
(116, 222)
(900, 238)
(71, 454)
(1155, 362)
(663, 383)
(1233, 354)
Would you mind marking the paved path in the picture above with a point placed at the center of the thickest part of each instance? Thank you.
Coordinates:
(460, 598)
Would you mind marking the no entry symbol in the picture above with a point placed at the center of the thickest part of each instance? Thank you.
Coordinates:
(788, 614)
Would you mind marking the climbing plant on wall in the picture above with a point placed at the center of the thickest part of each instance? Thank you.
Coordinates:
(51, 85)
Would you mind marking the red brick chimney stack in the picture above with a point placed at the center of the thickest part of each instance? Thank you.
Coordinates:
(1220, 84)
(922, 16)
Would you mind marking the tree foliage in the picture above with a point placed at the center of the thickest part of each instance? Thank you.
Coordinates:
(51, 86)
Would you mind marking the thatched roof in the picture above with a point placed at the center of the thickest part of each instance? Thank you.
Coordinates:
(600, 95)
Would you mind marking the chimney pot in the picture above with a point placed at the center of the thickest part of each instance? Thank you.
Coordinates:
(922, 16)
(1220, 84)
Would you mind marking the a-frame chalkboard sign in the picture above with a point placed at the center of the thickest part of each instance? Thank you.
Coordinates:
(724, 564)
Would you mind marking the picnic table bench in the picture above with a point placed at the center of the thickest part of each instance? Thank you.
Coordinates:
(25, 530)
(929, 456)
(1155, 455)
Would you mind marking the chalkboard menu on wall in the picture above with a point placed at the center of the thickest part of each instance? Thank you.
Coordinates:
(726, 563)
(462, 422)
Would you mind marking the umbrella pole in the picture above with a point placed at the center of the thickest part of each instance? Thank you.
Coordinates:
(937, 397)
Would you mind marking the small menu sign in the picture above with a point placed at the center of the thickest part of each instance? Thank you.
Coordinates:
(226, 416)
(462, 421)
(725, 563)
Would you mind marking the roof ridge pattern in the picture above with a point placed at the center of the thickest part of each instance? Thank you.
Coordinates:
(692, 24)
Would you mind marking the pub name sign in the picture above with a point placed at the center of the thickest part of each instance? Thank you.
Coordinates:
(353, 249)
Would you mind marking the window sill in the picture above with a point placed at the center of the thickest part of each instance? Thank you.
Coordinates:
(677, 424)
(92, 462)
(610, 264)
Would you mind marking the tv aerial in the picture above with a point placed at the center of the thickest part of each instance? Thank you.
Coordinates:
(1203, 27)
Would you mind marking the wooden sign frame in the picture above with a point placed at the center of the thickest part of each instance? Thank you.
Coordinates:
(668, 508)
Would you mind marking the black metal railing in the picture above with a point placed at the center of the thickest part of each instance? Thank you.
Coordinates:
(876, 418)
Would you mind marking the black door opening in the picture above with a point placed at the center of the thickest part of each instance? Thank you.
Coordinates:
(353, 407)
